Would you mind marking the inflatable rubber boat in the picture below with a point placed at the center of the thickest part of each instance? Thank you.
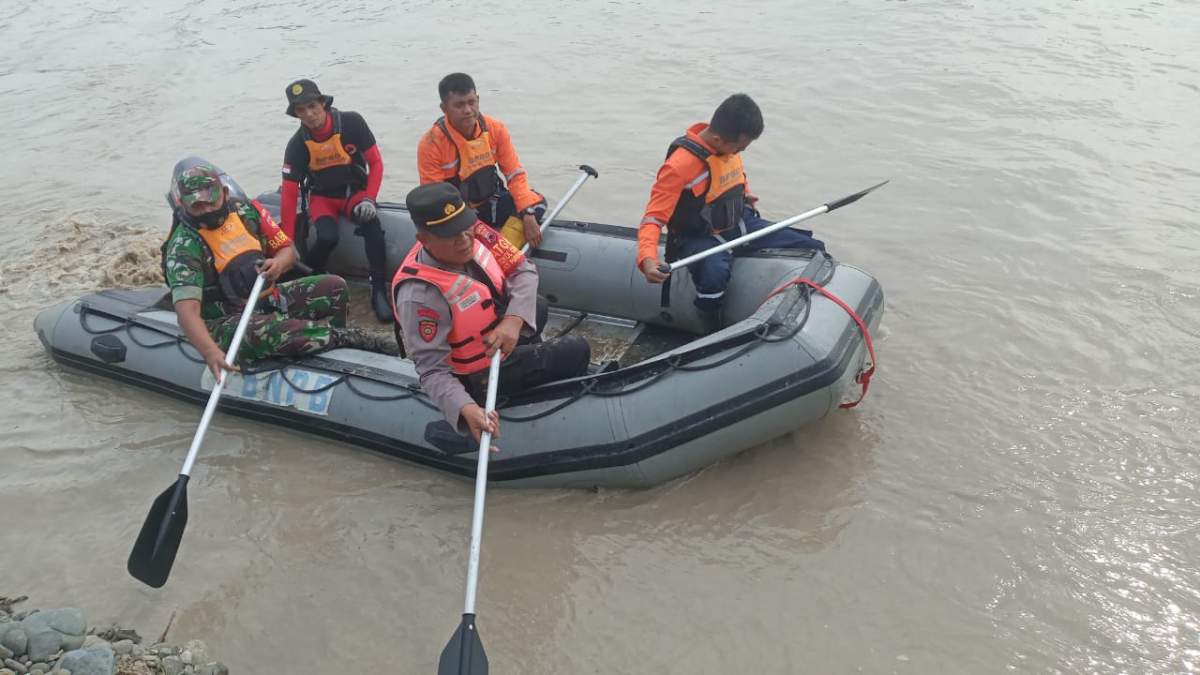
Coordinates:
(663, 399)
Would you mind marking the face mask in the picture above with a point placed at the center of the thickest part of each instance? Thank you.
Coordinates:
(213, 219)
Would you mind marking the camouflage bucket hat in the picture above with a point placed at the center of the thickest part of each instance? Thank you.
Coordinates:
(200, 183)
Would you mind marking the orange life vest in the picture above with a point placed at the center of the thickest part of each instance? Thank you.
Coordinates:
(720, 208)
(236, 253)
(473, 303)
(331, 168)
(478, 178)
(229, 241)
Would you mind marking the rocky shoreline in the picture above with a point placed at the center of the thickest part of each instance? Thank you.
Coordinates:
(59, 642)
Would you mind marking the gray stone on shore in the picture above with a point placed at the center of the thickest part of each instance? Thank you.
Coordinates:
(6, 671)
(199, 650)
(70, 642)
(172, 665)
(16, 666)
(216, 668)
(65, 620)
(93, 642)
(5, 653)
(15, 639)
(96, 660)
(43, 642)
(123, 647)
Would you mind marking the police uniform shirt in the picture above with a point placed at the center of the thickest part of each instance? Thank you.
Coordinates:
(417, 301)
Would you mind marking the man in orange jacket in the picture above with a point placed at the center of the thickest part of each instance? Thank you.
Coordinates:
(702, 199)
(472, 151)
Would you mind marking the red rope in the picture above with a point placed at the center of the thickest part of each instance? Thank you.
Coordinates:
(863, 378)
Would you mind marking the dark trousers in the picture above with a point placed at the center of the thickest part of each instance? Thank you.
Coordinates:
(711, 275)
(325, 232)
(534, 362)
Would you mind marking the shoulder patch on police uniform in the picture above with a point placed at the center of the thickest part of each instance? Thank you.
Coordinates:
(427, 323)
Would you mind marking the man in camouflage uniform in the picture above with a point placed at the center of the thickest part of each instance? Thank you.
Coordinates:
(209, 289)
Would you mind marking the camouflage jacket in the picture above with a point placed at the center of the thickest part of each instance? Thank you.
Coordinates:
(187, 263)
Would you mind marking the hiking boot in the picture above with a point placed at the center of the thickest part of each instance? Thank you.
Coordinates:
(357, 338)
(380, 300)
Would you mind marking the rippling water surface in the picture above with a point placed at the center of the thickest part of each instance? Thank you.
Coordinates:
(1018, 493)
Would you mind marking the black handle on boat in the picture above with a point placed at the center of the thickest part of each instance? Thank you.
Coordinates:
(774, 227)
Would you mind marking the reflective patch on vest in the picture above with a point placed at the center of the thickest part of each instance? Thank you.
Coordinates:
(468, 302)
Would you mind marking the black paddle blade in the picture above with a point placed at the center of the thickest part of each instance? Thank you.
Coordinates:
(839, 203)
(154, 551)
(464, 655)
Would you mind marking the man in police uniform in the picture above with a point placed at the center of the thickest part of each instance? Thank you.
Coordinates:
(459, 259)
(334, 159)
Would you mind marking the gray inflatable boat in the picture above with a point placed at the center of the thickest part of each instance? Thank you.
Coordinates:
(663, 401)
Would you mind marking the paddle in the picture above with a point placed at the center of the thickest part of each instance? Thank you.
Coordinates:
(154, 551)
(464, 654)
(774, 227)
(586, 172)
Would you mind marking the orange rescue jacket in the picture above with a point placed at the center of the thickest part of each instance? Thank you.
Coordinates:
(473, 303)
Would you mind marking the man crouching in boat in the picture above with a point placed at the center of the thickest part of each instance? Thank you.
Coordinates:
(210, 260)
(702, 199)
(463, 292)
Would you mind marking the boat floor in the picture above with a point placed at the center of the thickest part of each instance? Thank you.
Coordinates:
(612, 338)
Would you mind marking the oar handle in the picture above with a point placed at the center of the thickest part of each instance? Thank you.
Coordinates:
(219, 385)
(586, 172)
(481, 471)
(774, 227)
(485, 439)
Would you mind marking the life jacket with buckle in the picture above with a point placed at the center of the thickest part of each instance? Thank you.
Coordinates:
(478, 177)
(476, 306)
(234, 249)
(716, 211)
(720, 207)
(335, 169)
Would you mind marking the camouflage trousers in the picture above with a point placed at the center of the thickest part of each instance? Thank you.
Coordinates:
(297, 317)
